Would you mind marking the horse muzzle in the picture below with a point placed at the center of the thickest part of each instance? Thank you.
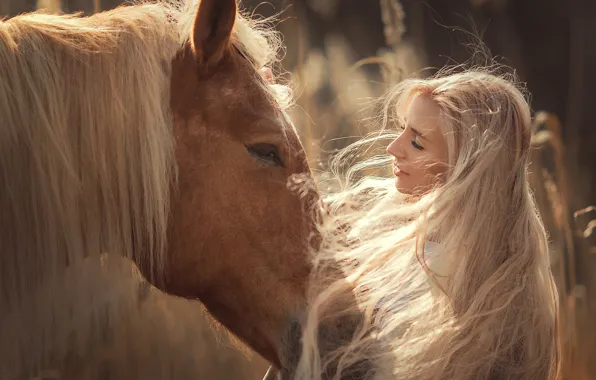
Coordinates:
(331, 336)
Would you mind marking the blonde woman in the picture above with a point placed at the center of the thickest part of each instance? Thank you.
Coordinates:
(447, 258)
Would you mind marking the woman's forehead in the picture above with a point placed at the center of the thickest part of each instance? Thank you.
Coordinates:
(424, 119)
(423, 115)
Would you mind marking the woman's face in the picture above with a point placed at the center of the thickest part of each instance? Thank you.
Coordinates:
(420, 151)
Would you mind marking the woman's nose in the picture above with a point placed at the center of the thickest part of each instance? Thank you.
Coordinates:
(395, 149)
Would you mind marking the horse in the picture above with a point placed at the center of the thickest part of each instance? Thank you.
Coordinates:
(146, 135)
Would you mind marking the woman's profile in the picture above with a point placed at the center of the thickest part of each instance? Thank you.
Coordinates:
(448, 257)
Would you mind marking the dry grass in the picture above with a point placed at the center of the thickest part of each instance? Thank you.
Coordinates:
(591, 224)
(552, 190)
(334, 93)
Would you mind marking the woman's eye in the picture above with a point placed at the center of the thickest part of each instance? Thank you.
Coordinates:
(416, 145)
(267, 153)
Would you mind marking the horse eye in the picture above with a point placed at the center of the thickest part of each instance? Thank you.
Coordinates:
(267, 153)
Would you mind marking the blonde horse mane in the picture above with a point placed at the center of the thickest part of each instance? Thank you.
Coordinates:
(87, 166)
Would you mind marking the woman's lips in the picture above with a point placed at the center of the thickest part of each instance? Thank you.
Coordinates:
(398, 172)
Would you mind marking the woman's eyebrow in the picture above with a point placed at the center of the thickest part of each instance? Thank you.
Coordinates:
(417, 133)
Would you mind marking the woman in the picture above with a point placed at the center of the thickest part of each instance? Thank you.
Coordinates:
(449, 257)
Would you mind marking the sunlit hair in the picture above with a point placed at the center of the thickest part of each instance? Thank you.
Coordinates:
(87, 165)
(484, 305)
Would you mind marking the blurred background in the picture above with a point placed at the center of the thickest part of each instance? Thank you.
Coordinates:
(341, 54)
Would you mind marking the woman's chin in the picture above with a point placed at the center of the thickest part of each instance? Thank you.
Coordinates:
(401, 187)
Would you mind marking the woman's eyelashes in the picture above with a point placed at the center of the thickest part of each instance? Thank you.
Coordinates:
(415, 143)
(403, 128)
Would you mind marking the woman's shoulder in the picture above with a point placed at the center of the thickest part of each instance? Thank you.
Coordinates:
(432, 247)
(436, 258)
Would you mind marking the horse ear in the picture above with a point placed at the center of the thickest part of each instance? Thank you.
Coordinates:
(212, 30)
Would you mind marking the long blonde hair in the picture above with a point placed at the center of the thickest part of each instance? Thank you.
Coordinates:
(495, 316)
